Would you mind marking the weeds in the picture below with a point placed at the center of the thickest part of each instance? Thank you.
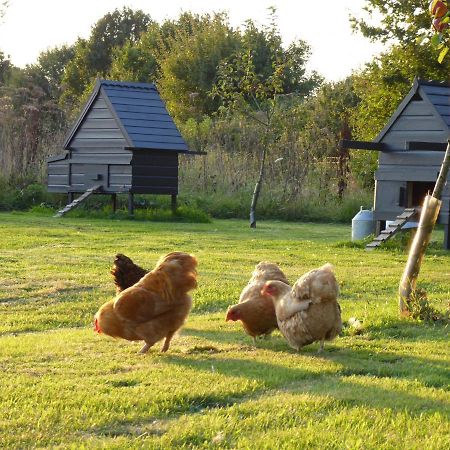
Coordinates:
(420, 309)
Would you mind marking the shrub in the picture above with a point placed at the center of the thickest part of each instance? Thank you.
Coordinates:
(420, 309)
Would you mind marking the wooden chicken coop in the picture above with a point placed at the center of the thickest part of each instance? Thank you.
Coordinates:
(411, 149)
(124, 142)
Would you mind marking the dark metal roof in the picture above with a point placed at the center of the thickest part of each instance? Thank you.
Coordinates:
(140, 114)
(435, 93)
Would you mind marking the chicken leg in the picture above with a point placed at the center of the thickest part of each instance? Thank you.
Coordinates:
(145, 348)
(167, 342)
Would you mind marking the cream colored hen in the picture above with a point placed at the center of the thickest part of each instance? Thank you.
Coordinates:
(308, 312)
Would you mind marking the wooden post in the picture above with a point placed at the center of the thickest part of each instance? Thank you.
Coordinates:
(130, 203)
(430, 212)
(428, 217)
(70, 197)
(447, 232)
(442, 177)
(173, 203)
(114, 202)
(379, 227)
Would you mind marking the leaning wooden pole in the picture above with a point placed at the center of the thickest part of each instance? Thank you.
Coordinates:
(428, 217)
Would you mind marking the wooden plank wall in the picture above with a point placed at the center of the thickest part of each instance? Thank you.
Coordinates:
(99, 138)
(155, 172)
(98, 147)
(58, 176)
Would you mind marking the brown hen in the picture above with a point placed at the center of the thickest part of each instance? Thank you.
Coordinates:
(255, 311)
(155, 307)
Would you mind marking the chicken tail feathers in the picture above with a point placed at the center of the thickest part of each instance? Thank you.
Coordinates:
(125, 272)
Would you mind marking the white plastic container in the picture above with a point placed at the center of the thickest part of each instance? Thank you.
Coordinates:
(363, 224)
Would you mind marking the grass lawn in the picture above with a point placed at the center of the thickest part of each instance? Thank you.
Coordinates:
(64, 386)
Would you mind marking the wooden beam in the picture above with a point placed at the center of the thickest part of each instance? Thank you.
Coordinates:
(426, 146)
(362, 145)
(380, 146)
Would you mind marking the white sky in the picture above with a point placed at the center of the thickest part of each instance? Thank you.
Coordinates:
(32, 26)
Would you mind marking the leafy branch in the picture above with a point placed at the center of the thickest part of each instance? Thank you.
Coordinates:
(440, 14)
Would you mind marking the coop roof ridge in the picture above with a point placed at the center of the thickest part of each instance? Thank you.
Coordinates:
(128, 84)
(428, 82)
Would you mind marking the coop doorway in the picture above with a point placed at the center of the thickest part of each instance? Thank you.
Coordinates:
(417, 191)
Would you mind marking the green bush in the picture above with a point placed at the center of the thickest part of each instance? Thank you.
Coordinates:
(23, 195)
(193, 206)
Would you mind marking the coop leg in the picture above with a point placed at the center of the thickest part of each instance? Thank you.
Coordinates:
(114, 202)
(130, 203)
(70, 197)
(380, 226)
(174, 203)
(447, 235)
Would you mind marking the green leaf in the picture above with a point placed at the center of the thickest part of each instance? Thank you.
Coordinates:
(436, 39)
(444, 52)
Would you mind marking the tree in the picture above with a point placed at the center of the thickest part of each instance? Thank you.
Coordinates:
(440, 15)
(137, 61)
(409, 24)
(93, 57)
(5, 68)
(48, 71)
(259, 93)
(401, 21)
(189, 63)
(327, 121)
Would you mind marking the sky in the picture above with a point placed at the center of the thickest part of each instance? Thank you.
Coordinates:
(32, 26)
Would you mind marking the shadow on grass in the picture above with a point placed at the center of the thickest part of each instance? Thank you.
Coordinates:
(69, 294)
(409, 329)
(354, 360)
(357, 377)
(341, 386)
(338, 383)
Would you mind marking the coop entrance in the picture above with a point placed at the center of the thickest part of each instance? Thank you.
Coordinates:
(417, 191)
(96, 174)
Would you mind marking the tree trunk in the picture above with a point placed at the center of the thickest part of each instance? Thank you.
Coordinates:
(428, 217)
(257, 190)
(343, 159)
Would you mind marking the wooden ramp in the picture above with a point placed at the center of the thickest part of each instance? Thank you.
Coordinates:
(392, 229)
(78, 200)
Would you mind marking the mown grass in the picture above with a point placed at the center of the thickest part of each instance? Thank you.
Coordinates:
(64, 386)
